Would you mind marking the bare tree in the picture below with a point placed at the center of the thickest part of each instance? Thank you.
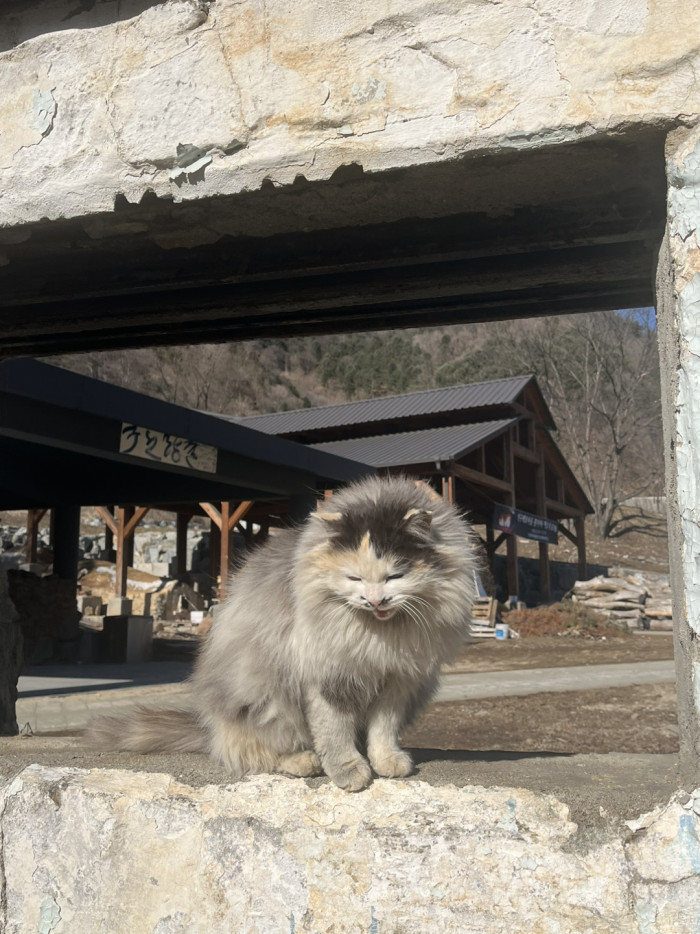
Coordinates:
(600, 374)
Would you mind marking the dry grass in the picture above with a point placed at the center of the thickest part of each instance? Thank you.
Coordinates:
(561, 619)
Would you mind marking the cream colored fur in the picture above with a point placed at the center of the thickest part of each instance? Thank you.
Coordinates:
(330, 642)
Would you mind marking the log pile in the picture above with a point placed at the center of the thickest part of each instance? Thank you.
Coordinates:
(629, 601)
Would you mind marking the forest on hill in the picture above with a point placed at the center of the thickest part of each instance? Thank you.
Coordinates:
(599, 373)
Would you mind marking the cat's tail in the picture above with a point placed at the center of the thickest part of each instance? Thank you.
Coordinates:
(147, 729)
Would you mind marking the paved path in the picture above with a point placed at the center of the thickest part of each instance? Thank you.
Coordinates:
(54, 698)
(468, 686)
(69, 679)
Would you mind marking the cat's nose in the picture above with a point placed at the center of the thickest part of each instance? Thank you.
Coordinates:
(377, 601)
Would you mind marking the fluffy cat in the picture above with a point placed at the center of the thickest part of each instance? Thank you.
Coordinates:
(330, 642)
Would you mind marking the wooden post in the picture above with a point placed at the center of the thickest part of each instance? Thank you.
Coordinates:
(226, 547)
(448, 488)
(124, 513)
(225, 520)
(34, 517)
(545, 576)
(511, 540)
(580, 525)
(181, 522)
(214, 549)
(66, 534)
(490, 539)
(106, 513)
(128, 517)
(110, 532)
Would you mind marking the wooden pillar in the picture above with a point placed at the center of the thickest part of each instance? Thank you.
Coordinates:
(124, 514)
(214, 548)
(512, 566)
(225, 520)
(448, 488)
(490, 541)
(128, 517)
(66, 534)
(511, 540)
(545, 577)
(181, 522)
(110, 550)
(540, 492)
(34, 517)
(226, 547)
(580, 525)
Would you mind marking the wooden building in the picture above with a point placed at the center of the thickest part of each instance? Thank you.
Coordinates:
(484, 446)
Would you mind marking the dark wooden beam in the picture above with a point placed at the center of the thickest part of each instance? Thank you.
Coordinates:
(481, 479)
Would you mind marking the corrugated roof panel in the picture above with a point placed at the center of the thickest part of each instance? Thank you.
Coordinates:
(417, 447)
(426, 402)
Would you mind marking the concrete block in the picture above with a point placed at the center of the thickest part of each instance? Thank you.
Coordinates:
(122, 639)
(119, 606)
(139, 639)
(89, 606)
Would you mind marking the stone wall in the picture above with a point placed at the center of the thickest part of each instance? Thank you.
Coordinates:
(48, 615)
(87, 851)
(192, 99)
(678, 295)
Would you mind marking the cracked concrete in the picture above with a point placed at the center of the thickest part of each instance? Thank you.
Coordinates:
(183, 72)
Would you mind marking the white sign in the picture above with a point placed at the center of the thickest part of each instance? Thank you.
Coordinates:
(154, 445)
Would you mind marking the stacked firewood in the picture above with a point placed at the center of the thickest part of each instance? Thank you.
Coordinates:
(627, 600)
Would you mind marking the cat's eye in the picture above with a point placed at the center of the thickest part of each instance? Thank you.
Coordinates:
(351, 578)
(395, 577)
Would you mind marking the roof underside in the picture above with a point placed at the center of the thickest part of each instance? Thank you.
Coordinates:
(60, 439)
(567, 227)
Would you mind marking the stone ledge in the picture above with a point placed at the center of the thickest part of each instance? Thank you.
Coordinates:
(87, 850)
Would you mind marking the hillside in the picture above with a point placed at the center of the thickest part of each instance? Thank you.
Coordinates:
(599, 373)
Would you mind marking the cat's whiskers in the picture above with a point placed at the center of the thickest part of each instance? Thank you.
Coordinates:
(418, 617)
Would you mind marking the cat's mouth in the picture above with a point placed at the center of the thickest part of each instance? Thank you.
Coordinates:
(384, 614)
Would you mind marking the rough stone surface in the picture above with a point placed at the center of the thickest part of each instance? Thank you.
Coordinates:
(93, 851)
(678, 290)
(253, 92)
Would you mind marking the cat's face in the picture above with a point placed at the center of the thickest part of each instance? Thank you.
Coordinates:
(363, 572)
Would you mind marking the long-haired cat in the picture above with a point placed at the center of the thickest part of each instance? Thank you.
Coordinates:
(329, 644)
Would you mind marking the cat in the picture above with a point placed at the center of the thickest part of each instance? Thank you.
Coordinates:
(330, 642)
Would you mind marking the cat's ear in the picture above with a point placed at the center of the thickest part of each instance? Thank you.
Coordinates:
(418, 519)
(327, 516)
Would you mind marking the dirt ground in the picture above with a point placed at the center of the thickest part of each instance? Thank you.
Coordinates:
(562, 651)
(640, 719)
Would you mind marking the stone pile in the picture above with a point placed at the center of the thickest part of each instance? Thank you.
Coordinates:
(629, 598)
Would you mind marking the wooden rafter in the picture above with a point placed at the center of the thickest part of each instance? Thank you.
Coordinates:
(213, 513)
(108, 518)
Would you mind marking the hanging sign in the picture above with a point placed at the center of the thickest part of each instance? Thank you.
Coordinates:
(514, 521)
(167, 449)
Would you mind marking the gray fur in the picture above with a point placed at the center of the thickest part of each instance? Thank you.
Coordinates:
(332, 631)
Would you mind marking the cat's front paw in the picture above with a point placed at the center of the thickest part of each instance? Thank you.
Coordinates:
(302, 764)
(353, 776)
(394, 764)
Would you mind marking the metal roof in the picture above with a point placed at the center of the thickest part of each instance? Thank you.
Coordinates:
(417, 447)
(427, 402)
